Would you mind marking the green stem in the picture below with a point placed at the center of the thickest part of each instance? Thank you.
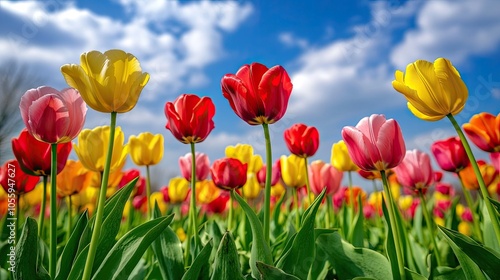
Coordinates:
(329, 216)
(351, 198)
(53, 212)
(230, 216)
(41, 217)
(431, 225)
(70, 205)
(482, 185)
(192, 224)
(296, 206)
(148, 192)
(100, 204)
(267, 188)
(308, 185)
(395, 229)
(470, 204)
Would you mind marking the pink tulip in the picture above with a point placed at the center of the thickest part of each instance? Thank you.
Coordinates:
(375, 143)
(202, 166)
(323, 175)
(495, 160)
(275, 175)
(415, 171)
(53, 116)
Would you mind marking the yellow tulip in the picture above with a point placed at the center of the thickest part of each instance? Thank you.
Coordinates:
(244, 153)
(34, 197)
(178, 189)
(71, 179)
(465, 228)
(405, 202)
(278, 190)
(181, 234)
(293, 171)
(146, 148)
(206, 191)
(439, 221)
(341, 159)
(113, 180)
(433, 90)
(158, 197)
(108, 82)
(251, 189)
(87, 196)
(93, 145)
(459, 210)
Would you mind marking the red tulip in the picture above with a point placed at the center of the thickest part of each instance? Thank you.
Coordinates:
(484, 130)
(218, 205)
(323, 175)
(14, 180)
(53, 116)
(189, 118)
(375, 143)
(229, 173)
(257, 94)
(445, 189)
(275, 175)
(202, 165)
(34, 156)
(128, 176)
(415, 171)
(450, 154)
(302, 140)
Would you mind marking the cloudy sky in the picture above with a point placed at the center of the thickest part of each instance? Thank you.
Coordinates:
(341, 56)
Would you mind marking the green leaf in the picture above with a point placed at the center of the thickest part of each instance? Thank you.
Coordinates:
(260, 248)
(490, 238)
(200, 264)
(69, 252)
(356, 232)
(446, 273)
(79, 264)
(276, 229)
(496, 205)
(25, 254)
(227, 264)
(269, 272)
(473, 257)
(298, 258)
(412, 275)
(113, 213)
(127, 252)
(350, 262)
(168, 250)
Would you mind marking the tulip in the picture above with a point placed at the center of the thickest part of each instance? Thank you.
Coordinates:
(157, 197)
(202, 166)
(178, 189)
(34, 156)
(275, 176)
(483, 130)
(488, 173)
(450, 154)
(146, 149)
(189, 118)
(72, 179)
(324, 175)
(495, 160)
(302, 140)
(415, 171)
(130, 175)
(92, 144)
(53, 116)
(207, 191)
(340, 157)
(244, 153)
(293, 171)
(14, 180)
(251, 189)
(369, 175)
(257, 94)
(375, 143)
(217, 205)
(108, 82)
(433, 90)
(229, 173)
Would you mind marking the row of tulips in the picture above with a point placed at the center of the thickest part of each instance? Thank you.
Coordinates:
(311, 233)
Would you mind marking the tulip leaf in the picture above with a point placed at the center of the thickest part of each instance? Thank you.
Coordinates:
(26, 266)
(79, 264)
(260, 248)
(496, 206)
(410, 274)
(127, 252)
(490, 238)
(69, 252)
(445, 273)
(297, 259)
(356, 232)
(168, 250)
(269, 272)
(227, 265)
(276, 229)
(350, 262)
(200, 266)
(473, 257)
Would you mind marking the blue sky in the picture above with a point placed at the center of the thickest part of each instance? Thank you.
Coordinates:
(341, 56)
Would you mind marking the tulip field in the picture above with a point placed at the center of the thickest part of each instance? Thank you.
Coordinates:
(246, 216)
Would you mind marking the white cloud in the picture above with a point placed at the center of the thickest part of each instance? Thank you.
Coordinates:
(290, 40)
(452, 29)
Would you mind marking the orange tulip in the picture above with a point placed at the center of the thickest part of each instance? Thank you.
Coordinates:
(484, 130)
(469, 179)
